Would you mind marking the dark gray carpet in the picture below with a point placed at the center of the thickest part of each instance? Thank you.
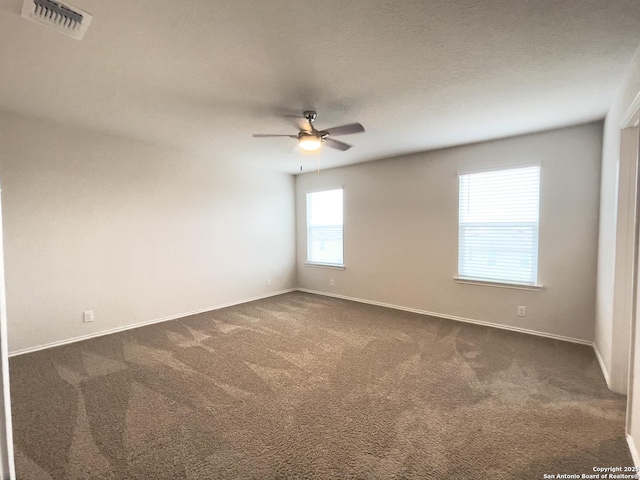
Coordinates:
(303, 386)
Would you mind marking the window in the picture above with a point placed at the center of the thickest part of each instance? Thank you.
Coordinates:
(324, 228)
(498, 226)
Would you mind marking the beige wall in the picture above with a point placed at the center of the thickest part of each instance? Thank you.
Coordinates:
(400, 232)
(132, 231)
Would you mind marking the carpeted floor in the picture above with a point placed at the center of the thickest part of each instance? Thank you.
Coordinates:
(303, 386)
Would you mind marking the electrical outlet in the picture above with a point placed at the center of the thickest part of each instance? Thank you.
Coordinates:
(332, 282)
(87, 316)
(268, 282)
(522, 311)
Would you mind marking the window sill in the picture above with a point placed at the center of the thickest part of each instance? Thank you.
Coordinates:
(488, 283)
(324, 265)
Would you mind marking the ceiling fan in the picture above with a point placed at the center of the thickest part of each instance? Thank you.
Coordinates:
(310, 139)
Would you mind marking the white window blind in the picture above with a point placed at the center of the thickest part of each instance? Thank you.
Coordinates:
(324, 227)
(498, 225)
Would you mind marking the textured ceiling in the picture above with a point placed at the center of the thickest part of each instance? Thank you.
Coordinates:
(419, 74)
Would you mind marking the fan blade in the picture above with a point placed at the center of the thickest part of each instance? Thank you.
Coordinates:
(347, 129)
(264, 135)
(330, 142)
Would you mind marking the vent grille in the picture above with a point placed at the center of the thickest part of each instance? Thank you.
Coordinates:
(63, 18)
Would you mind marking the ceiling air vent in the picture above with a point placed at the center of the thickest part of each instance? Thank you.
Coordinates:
(63, 18)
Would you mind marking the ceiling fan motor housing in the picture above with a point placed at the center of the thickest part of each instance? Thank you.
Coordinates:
(312, 133)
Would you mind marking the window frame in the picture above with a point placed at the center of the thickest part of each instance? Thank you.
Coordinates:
(537, 286)
(311, 263)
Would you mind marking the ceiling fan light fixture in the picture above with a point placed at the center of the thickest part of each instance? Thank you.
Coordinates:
(310, 143)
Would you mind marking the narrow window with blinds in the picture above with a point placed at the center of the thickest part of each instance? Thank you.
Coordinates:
(324, 228)
(498, 226)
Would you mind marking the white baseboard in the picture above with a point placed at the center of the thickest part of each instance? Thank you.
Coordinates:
(603, 366)
(633, 450)
(452, 317)
(142, 324)
(316, 292)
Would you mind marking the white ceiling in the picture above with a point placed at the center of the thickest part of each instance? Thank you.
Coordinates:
(418, 74)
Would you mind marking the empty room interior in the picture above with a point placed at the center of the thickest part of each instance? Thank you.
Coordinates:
(359, 239)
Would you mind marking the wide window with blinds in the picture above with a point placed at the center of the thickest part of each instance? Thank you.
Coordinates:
(324, 228)
(498, 226)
